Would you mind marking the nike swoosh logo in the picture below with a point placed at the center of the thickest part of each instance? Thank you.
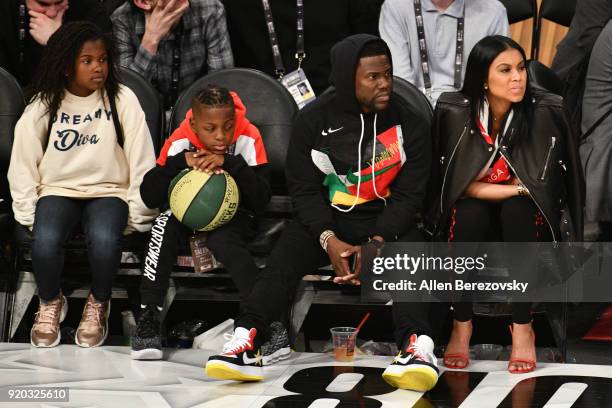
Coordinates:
(256, 360)
(330, 131)
(355, 179)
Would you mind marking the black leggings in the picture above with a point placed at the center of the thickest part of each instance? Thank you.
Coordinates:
(516, 219)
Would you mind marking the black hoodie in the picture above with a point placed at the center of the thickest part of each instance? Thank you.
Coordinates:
(323, 156)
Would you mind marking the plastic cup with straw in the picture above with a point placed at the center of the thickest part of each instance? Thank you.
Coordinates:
(344, 339)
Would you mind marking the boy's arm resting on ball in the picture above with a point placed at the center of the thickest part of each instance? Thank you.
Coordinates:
(154, 187)
(253, 182)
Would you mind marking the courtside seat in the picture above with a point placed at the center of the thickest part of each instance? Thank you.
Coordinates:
(543, 78)
(149, 101)
(11, 106)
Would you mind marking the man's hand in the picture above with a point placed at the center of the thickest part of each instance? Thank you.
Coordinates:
(339, 253)
(42, 27)
(160, 20)
(205, 161)
(353, 277)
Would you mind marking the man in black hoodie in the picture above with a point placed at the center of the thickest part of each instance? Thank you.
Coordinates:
(357, 169)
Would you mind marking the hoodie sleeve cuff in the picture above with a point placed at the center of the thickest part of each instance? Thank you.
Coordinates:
(318, 228)
(177, 162)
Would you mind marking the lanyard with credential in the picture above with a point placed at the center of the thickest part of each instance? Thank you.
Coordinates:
(423, 46)
(279, 67)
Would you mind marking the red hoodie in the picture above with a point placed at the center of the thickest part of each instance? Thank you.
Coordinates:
(247, 140)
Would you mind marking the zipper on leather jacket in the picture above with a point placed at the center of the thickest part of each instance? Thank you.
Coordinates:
(502, 151)
(548, 155)
(448, 165)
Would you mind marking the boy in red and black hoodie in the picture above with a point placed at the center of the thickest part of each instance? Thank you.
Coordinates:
(215, 136)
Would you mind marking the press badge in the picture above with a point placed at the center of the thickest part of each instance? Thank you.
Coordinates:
(203, 259)
(298, 85)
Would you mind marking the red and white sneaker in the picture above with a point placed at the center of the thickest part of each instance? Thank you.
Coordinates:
(240, 359)
(415, 367)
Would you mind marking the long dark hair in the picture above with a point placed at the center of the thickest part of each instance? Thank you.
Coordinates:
(477, 72)
(59, 57)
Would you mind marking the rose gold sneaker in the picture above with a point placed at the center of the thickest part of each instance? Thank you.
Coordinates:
(93, 329)
(46, 329)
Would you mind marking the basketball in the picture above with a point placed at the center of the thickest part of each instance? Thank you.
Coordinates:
(203, 201)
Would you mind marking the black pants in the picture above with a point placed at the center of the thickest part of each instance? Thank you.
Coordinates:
(227, 243)
(102, 221)
(298, 253)
(516, 219)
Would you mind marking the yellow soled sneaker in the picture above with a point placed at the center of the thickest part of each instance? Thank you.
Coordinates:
(241, 360)
(415, 367)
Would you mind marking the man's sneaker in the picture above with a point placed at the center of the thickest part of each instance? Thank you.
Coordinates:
(415, 367)
(93, 328)
(277, 348)
(146, 340)
(46, 328)
(240, 360)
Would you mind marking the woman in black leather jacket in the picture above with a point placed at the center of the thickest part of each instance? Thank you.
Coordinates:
(506, 170)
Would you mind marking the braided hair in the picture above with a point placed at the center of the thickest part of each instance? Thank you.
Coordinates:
(213, 96)
(59, 57)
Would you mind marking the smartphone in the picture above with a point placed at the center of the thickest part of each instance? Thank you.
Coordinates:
(352, 261)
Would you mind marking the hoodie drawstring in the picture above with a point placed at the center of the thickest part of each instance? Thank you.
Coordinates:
(373, 157)
(358, 171)
(359, 168)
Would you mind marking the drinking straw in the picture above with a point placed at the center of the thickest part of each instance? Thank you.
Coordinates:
(362, 322)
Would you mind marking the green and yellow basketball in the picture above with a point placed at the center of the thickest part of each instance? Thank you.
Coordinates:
(203, 201)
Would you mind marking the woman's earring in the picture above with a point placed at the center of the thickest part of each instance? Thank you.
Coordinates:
(486, 87)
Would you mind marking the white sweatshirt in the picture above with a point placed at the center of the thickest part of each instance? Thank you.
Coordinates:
(83, 158)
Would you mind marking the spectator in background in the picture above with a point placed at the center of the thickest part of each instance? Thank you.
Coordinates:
(172, 42)
(26, 25)
(325, 23)
(589, 19)
(441, 22)
(596, 151)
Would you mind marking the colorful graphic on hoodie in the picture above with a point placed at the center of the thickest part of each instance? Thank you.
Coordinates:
(388, 160)
(247, 140)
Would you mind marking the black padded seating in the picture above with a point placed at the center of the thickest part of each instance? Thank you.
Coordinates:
(11, 107)
(520, 10)
(543, 78)
(150, 103)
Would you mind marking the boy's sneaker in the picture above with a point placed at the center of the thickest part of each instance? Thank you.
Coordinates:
(146, 340)
(46, 328)
(241, 360)
(277, 348)
(415, 367)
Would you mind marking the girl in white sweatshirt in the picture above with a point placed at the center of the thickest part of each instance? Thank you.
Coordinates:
(81, 149)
